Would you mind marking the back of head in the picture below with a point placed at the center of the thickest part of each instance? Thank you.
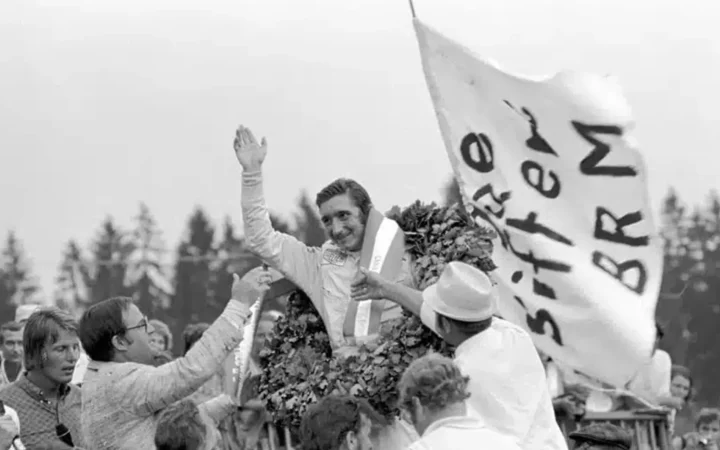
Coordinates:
(707, 416)
(327, 423)
(42, 327)
(180, 427)
(603, 436)
(435, 381)
(192, 333)
(341, 186)
(99, 324)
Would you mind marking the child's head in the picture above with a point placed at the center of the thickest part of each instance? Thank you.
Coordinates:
(708, 423)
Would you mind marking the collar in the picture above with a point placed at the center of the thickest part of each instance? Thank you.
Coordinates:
(34, 391)
(330, 245)
(466, 421)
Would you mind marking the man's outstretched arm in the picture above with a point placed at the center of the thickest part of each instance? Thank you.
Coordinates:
(300, 263)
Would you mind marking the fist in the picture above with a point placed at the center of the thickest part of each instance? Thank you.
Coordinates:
(254, 284)
(249, 153)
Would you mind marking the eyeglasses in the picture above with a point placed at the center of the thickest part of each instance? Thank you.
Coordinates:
(143, 324)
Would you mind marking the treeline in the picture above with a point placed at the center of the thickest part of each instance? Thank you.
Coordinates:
(196, 285)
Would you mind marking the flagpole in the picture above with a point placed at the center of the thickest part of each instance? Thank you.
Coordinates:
(412, 8)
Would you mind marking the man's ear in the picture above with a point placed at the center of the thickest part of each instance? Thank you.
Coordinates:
(120, 343)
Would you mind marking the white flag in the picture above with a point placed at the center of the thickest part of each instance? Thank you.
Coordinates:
(551, 166)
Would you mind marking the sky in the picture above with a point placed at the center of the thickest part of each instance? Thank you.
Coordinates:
(104, 104)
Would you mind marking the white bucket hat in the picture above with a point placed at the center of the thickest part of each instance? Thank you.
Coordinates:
(462, 293)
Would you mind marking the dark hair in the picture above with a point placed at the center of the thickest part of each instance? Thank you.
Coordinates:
(435, 380)
(707, 415)
(467, 328)
(9, 326)
(99, 324)
(192, 333)
(603, 436)
(180, 427)
(341, 186)
(326, 423)
(678, 370)
(43, 327)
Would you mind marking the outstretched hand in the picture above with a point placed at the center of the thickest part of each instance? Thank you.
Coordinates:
(249, 153)
(368, 286)
(249, 289)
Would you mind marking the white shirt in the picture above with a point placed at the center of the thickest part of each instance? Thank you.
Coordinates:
(653, 380)
(462, 433)
(508, 387)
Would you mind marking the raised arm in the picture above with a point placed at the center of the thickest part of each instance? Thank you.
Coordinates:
(298, 262)
(151, 389)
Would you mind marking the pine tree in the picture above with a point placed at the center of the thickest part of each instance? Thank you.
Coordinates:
(17, 284)
(309, 227)
(111, 251)
(145, 275)
(73, 280)
(193, 274)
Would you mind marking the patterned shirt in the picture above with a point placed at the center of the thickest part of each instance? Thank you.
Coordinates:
(39, 416)
(121, 400)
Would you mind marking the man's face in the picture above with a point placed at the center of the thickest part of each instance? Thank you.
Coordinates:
(137, 337)
(60, 358)
(343, 222)
(12, 347)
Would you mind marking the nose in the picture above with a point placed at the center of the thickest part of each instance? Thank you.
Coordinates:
(336, 227)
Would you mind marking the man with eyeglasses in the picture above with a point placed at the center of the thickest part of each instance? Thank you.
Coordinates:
(123, 392)
(47, 405)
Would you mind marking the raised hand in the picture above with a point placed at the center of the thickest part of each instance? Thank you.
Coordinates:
(249, 289)
(247, 150)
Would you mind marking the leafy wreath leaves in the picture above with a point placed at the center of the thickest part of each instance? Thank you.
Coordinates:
(298, 366)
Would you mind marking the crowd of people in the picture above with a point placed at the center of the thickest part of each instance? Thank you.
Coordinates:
(108, 380)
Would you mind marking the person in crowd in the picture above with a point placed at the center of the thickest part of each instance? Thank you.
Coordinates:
(706, 434)
(602, 436)
(123, 393)
(184, 426)
(681, 388)
(324, 273)
(652, 383)
(339, 422)
(12, 352)
(47, 405)
(161, 338)
(432, 392)
(508, 386)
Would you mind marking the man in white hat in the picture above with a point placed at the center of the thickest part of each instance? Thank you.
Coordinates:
(507, 380)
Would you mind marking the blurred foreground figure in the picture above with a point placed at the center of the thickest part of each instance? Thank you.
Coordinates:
(432, 394)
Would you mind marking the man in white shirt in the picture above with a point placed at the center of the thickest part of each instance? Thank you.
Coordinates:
(652, 383)
(507, 380)
(432, 394)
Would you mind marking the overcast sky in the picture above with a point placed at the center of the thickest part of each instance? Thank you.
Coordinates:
(107, 103)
